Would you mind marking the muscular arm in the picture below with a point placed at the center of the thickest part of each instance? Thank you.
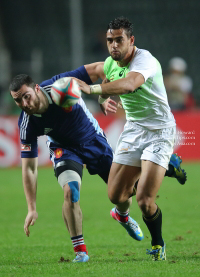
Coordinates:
(95, 71)
(29, 176)
(132, 81)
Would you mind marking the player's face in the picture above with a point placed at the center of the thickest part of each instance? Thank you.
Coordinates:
(119, 45)
(27, 99)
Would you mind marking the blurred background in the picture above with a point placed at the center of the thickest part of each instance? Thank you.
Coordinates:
(45, 38)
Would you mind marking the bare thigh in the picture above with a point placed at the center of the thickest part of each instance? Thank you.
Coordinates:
(121, 181)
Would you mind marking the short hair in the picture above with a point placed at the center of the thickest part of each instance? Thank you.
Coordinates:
(121, 23)
(20, 80)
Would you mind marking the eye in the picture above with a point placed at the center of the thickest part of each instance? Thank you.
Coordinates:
(119, 40)
(109, 40)
(26, 96)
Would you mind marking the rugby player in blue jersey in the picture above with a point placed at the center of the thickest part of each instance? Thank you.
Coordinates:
(74, 138)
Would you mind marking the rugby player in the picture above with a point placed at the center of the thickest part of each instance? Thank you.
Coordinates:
(145, 146)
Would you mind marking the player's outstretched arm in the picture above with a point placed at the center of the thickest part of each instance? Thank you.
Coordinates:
(29, 176)
(132, 81)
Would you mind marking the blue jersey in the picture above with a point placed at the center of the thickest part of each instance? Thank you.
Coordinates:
(67, 129)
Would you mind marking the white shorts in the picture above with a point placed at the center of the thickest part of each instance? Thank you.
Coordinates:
(138, 143)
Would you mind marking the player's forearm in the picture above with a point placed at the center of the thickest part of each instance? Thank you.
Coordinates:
(30, 188)
(132, 81)
(115, 88)
(29, 176)
(118, 87)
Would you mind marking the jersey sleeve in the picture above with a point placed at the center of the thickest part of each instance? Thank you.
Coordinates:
(28, 140)
(144, 63)
(79, 73)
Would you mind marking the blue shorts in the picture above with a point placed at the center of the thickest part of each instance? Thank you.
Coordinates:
(96, 154)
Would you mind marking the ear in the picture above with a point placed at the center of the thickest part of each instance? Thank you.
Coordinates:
(37, 88)
(132, 40)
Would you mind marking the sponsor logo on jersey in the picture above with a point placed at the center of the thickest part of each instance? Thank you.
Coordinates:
(121, 72)
(25, 147)
(58, 152)
(157, 150)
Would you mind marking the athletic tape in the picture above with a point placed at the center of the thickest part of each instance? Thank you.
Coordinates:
(75, 193)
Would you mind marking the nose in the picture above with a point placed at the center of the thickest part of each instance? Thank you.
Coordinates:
(24, 103)
(114, 45)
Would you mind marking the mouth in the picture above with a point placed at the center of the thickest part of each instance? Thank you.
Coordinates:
(28, 110)
(115, 52)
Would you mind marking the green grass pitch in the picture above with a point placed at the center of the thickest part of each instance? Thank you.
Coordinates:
(112, 252)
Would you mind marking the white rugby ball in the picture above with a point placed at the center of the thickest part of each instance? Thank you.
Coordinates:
(65, 92)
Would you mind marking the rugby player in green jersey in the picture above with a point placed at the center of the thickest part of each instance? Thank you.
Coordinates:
(146, 144)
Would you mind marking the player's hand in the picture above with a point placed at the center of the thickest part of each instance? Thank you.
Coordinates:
(109, 106)
(83, 86)
(30, 220)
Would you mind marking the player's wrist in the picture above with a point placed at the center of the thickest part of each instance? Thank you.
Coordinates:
(102, 100)
(95, 89)
(31, 207)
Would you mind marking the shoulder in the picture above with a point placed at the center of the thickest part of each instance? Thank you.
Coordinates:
(142, 54)
(144, 63)
(143, 59)
(26, 130)
(26, 121)
(108, 64)
(108, 61)
(24, 117)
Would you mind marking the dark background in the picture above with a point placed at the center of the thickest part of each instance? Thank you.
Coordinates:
(165, 28)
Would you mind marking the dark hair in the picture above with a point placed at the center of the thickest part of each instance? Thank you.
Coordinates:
(121, 23)
(20, 80)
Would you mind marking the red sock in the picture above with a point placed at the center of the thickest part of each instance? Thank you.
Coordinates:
(78, 243)
(121, 216)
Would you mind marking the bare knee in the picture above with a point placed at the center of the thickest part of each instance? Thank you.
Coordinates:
(113, 198)
(118, 197)
(145, 203)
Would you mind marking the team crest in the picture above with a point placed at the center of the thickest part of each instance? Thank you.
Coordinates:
(25, 147)
(58, 152)
(67, 109)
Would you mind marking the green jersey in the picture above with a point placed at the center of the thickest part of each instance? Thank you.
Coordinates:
(148, 104)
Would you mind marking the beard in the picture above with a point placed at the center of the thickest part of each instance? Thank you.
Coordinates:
(33, 109)
(118, 56)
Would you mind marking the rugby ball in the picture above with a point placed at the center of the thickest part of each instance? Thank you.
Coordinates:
(65, 92)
